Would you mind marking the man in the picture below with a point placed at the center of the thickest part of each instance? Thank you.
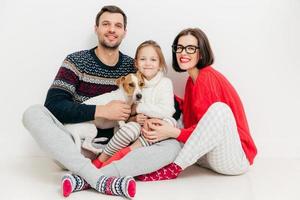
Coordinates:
(93, 72)
(83, 75)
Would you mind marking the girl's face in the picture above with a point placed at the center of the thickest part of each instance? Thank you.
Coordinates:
(189, 55)
(147, 62)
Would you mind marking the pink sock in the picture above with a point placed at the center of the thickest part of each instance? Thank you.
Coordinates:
(66, 187)
(73, 183)
(168, 172)
(120, 186)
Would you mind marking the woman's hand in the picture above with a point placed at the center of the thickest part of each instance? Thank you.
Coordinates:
(156, 130)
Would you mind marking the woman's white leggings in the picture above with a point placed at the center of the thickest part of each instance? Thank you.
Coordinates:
(215, 143)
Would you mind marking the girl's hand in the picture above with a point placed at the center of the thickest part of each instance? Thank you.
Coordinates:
(159, 130)
(141, 118)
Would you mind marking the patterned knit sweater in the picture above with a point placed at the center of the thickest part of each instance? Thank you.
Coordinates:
(82, 76)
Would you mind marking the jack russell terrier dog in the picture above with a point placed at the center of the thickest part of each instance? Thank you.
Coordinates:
(130, 87)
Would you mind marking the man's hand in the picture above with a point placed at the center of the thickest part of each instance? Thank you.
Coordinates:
(133, 109)
(114, 110)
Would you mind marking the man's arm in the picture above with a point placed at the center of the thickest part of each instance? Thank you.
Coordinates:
(61, 104)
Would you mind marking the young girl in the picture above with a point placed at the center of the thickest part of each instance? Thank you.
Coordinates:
(157, 102)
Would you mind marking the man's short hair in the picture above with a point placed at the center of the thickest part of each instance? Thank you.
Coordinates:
(111, 9)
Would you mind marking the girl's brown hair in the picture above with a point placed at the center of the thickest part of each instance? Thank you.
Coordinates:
(162, 62)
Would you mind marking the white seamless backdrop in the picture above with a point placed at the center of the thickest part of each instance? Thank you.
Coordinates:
(256, 45)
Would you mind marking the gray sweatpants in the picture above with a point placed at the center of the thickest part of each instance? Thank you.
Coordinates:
(54, 139)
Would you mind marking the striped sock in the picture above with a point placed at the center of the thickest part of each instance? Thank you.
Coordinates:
(123, 186)
(73, 183)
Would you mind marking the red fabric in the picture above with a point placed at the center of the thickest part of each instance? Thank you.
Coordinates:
(117, 156)
(66, 187)
(131, 188)
(97, 163)
(168, 172)
(210, 87)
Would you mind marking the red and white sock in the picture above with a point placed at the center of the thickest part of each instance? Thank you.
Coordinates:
(123, 186)
(73, 183)
(168, 172)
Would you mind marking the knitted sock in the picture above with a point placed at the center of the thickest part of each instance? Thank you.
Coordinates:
(117, 156)
(97, 163)
(123, 186)
(170, 171)
(72, 183)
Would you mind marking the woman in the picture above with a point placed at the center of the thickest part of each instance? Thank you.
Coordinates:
(215, 131)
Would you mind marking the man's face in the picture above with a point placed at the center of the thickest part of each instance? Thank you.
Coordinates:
(110, 30)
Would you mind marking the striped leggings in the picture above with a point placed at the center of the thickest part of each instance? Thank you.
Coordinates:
(127, 134)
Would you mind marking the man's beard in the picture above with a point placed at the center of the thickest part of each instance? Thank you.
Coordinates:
(110, 47)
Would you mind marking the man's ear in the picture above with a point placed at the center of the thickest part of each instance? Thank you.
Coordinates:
(120, 80)
(95, 29)
(125, 33)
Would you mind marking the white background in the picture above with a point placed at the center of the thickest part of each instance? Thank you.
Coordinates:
(256, 45)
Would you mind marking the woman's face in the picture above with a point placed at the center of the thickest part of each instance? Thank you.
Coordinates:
(189, 57)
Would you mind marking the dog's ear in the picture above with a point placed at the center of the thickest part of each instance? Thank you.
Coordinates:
(141, 79)
(140, 76)
(120, 80)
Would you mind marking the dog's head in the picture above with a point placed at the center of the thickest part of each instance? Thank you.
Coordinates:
(132, 85)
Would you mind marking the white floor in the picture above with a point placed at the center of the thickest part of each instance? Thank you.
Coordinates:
(39, 178)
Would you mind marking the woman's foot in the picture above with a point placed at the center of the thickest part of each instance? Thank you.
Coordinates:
(168, 172)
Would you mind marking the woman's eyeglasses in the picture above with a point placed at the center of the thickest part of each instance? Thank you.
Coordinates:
(189, 49)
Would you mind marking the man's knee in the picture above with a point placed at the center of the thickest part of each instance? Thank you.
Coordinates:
(30, 113)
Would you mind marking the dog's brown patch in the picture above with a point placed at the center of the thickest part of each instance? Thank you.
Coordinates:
(141, 79)
(129, 84)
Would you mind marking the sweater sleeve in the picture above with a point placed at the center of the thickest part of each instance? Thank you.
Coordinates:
(163, 106)
(60, 99)
(61, 104)
(206, 93)
(185, 133)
